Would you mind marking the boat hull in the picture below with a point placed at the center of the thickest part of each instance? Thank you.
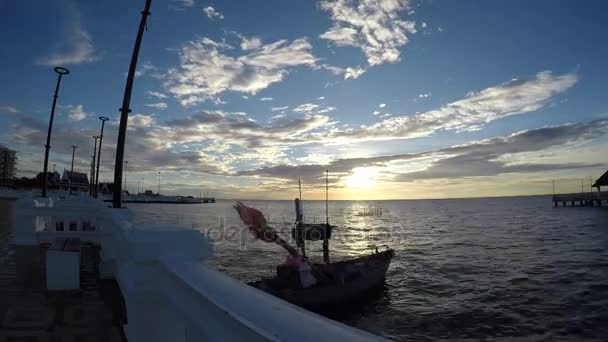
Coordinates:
(370, 271)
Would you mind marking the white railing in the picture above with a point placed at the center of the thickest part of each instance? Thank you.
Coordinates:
(171, 294)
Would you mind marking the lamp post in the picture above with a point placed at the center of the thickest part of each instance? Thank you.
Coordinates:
(72, 169)
(126, 166)
(103, 122)
(125, 108)
(158, 192)
(60, 71)
(94, 156)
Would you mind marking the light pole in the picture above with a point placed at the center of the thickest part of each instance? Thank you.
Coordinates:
(124, 109)
(94, 156)
(126, 166)
(158, 192)
(103, 122)
(60, 71)
(72, 169)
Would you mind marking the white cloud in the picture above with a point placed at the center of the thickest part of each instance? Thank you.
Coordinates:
(266, 99)
(212, 14)
(376, 112)
(77, 113)
(374, 26)
(8, 109)
(347, 73)
(206, 72)
(424, 95)
(159, 105)
(470, 113)
(156, 94)
(276, 109)
(75, 47)
(424, 24)
(321, 98)
(382, 105)
(306, 108)
(245, 97)
(180, 5)
(353, 73)
(250, 43)
(147, 69)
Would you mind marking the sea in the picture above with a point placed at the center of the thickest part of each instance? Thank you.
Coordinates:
(492, 269)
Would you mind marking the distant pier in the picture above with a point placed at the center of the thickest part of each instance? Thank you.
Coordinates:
(592, 198)
(587, 199)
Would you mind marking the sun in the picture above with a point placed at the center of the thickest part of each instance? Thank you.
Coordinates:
(362, 177)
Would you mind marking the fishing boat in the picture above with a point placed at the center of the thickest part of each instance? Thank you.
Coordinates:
(316, 285)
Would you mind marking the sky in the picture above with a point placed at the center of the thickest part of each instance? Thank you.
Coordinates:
(394, 98)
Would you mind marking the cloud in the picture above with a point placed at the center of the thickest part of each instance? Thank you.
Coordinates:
(306, 108)
(424, 95)
(374, 26)
(8, 109)
(321, 98)
(250, 43)
(205, 71)
(212, 14)
(353, 73)
(159, 105)
(180, 5)
(148, 69)
(517, 96)
(483, 158)
(266, 99)
(275, 109)
(156, 94)
(382, 105)
(347, 73)
(77, 113)
(76, 46)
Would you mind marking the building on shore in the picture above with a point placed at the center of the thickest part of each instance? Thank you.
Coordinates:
(600, 182)
(78, 181)
(8, 161)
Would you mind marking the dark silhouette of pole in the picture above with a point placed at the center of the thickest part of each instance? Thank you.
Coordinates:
(125, 109)
(92, 185)
(103, 123)
(325, 239)
(126, 166)
(60, 71)
(72, 169)
(158, 191)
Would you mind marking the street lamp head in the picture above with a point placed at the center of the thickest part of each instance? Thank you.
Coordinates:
(96, 137)
(61, 70)
(74, 146)
(103, 118)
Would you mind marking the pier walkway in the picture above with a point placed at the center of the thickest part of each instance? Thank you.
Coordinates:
(583, 199)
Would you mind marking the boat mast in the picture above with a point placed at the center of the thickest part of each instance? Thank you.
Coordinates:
(124, 110)
(326, 228)
(301, 229)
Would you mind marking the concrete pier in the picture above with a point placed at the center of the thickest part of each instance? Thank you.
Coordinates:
(586, 199)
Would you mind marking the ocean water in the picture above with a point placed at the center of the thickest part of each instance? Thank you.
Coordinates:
(480, 269)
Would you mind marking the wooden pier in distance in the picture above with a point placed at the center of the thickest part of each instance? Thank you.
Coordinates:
(586, 199)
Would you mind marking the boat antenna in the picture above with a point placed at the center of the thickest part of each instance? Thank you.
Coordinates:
(326, 228)
(327, 197)
(300, 228)
(301, 208)
(125, 109)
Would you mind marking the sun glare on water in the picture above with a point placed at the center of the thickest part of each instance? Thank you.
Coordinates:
(362, 177)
